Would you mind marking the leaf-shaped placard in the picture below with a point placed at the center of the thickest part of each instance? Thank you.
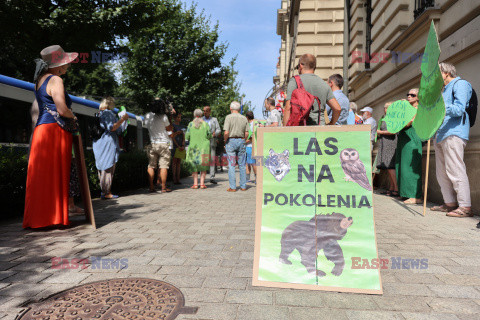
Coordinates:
(399, 114)
(431, 107)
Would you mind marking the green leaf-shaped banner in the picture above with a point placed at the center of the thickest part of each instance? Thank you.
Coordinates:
(399, 114)
(431, 107)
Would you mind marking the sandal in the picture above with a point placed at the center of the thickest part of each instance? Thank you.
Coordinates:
(166, 190)
(442, 208)
(194, 187)
(113, 196)
(394, 194)
(203, 186)
(460, 213)
(413, 201)
(387, 192)
(76, 211)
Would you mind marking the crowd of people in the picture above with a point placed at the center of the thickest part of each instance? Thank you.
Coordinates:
(50, 170)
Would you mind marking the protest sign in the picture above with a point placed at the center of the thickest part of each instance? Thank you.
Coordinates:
(399, 114)
(431, 107)
(256, 124)
(314, 224)
(83, 179)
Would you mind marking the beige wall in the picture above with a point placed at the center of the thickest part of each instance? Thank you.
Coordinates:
(458, 24)
(320, 31)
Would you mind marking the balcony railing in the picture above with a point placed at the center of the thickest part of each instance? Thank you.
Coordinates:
(421, 6)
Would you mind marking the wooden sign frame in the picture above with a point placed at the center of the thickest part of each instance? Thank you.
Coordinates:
(83, 177)
(259, 202)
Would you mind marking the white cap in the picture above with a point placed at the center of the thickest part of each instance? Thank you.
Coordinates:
(367, 109)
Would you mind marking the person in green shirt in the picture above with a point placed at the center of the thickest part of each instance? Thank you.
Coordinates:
(198, 153)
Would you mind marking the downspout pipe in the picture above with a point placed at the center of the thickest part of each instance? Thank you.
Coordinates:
(346, 45)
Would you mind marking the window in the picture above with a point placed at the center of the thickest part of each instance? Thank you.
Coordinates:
(421, 6)
(368, 33)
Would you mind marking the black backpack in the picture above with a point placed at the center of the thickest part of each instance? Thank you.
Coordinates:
(94, 127)
(471, 107)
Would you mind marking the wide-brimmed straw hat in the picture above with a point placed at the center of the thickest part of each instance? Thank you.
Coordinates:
(55, 56)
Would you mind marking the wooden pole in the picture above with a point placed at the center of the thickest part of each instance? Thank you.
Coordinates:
(426, 179)
(82, 174)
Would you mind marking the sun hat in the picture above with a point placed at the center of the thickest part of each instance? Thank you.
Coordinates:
(55, 56)
(367, 109)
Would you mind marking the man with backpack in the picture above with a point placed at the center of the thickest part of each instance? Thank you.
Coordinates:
(308, 86)
(452, 137)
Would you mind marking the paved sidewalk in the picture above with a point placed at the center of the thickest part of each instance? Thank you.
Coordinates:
(201, 241)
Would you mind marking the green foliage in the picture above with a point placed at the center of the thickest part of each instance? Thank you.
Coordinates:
(13, 176)
(230, 92)
(28, 26)
(173, 53)
(97, 82)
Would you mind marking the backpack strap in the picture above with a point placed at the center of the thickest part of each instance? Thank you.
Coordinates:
(464, 117)
(299, 82)
(319, 110)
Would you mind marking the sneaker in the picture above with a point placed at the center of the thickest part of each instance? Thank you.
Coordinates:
(213, 181)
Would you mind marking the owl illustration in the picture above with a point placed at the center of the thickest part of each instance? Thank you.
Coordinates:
(353, 168)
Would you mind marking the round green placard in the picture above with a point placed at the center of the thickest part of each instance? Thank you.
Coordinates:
(399, 114)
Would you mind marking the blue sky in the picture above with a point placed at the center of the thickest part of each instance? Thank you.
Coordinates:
(249, 26)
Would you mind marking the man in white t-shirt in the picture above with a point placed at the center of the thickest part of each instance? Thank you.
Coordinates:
(159, 153)
(275, 117)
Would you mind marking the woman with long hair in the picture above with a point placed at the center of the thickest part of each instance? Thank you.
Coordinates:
(198, 153)
(48, 177)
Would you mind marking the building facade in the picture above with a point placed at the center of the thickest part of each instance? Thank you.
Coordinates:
(380, 62)
(310, 26)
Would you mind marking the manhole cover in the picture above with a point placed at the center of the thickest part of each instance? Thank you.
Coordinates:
(112, 299)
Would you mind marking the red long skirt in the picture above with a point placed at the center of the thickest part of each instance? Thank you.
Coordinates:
(48, 177)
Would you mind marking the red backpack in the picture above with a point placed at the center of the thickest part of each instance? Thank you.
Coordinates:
(301, 104)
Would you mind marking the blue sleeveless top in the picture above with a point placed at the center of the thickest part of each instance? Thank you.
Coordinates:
(44, 99)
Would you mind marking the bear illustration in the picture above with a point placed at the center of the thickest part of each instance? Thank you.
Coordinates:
(278, 164)
(301, 235)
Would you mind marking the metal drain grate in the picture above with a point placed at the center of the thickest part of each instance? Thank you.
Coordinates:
(133, 298)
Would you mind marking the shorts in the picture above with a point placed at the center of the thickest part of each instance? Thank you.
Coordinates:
(249, 156)
(159, 156)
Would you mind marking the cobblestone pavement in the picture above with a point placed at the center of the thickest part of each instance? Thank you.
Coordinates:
(201, 241)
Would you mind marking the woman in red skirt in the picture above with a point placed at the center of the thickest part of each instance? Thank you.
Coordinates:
(46, 199)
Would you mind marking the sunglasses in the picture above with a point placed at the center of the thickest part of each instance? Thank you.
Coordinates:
(411, 95)
(297, 67)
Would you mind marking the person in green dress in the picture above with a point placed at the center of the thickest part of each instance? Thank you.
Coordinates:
(198, 152)
(408, 160)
